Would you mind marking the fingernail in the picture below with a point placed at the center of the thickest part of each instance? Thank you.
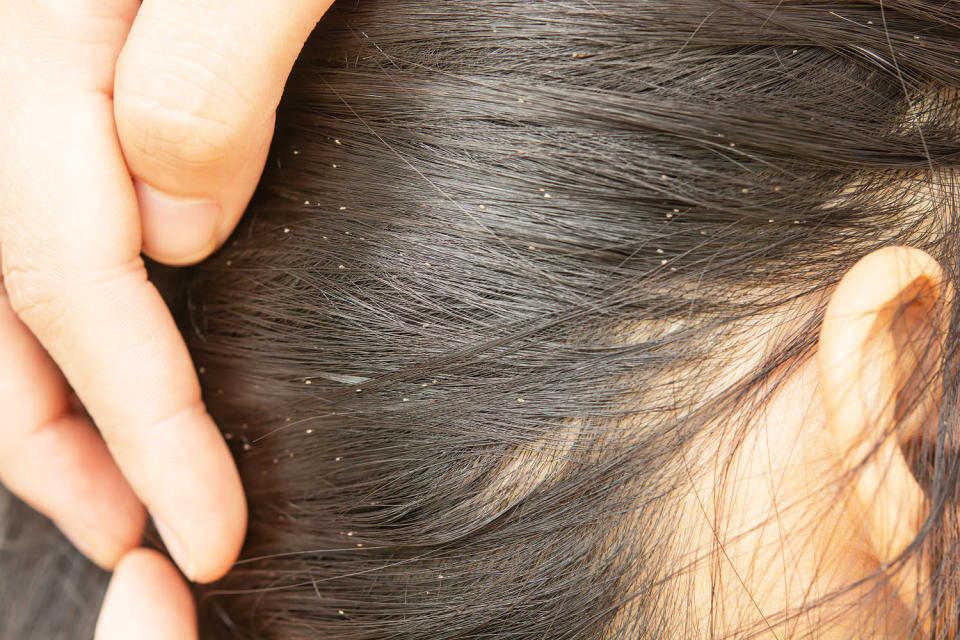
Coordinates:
(177, 550)
(177, 230)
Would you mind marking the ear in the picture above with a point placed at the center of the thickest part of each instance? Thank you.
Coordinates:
(879, 352)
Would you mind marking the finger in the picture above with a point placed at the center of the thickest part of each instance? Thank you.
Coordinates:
(50, 457)
(196, 89)
(69, 229)
(148, 600)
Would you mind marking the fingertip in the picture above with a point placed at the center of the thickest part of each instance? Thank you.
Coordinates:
(187, 213)
(63, 461)
(199, 561)
(223, 552)
(201, 514)
(147, 599)
(177, 231)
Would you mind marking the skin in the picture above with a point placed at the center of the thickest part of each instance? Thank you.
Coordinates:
(127, 127)
(792, 530)
(148, 600)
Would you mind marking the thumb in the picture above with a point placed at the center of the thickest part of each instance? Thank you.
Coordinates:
(195, 92)
(147, 600)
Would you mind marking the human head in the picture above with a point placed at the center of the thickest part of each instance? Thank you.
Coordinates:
(527, 285)
(508, 342)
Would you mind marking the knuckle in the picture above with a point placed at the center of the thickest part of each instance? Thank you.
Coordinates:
(184, 115)
(173, 136)
(31, 292)
(43, 297)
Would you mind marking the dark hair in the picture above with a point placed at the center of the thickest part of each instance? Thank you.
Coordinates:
(502, 253)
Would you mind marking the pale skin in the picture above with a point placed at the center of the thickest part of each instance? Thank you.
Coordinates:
(127, 128)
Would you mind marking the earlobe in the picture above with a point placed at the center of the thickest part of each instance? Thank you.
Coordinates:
(879, 352)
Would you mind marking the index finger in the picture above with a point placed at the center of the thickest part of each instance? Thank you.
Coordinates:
(71, 239)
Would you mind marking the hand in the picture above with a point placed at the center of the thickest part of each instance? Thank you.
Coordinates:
(197, 87)
(106, 102)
